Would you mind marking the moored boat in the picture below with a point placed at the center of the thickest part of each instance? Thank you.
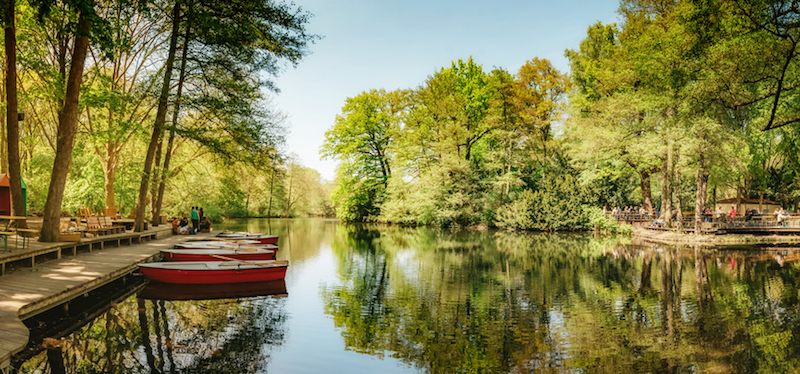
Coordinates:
(264, 239)
(246, 254)
(213, 272)
(224, 245)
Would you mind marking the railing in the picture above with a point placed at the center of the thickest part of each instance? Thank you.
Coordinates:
(724, 222)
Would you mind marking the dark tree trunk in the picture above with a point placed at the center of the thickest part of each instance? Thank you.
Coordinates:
(12, 119)
(156, 178)
(176, 111)
(67, 127)
(702, 190)
(647, 192)
(158, 126)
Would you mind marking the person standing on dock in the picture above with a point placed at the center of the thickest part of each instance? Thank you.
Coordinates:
(195, 219)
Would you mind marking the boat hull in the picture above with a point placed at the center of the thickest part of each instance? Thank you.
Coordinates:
(211, 245)
(181, 255)
(263, 239)
(214, 272)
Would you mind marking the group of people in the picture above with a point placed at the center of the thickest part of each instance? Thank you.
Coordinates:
(200, 223)
(780, 215)
(628, 210)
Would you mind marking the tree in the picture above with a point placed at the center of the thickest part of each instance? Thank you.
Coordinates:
(116, 93)
(363, 132)
(613, 118)
(12, 118)
(235, 41)
(450, 111)
(68, 121)
(539, 100)
(360, 139)
(161, 113)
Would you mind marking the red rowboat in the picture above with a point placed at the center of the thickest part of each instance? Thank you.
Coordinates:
(264, 239)
(212, 272)
(224, 245)
(166, 291)
(245, 254)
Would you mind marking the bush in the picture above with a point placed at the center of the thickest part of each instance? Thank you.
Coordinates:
(600, 223)
(557, 204)
(449, 194)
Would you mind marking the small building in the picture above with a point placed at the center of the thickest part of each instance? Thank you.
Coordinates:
(742, 204)
(5, 196)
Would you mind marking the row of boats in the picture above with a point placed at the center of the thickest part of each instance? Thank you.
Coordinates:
(231, 257)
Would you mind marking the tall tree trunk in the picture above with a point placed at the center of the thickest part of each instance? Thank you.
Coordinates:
(110, 162)
(176, 112)
(158, 126)
(666, 188)
(12, 119)
(647, 193)
(67, 127)
(678, 190)
(156, 178)
(702, 190)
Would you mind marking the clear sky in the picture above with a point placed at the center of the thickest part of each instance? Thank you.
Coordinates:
(398, 44)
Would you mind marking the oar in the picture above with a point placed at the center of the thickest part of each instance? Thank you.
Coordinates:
(271, 264)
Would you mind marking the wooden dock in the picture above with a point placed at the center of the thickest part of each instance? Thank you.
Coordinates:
(71, 269)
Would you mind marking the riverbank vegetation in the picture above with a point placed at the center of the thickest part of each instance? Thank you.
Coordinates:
(149, 107)
(679, 101)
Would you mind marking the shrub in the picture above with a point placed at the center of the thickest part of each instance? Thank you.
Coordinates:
(556, 204)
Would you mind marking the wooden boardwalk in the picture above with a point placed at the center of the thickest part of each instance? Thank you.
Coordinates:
(32, 290)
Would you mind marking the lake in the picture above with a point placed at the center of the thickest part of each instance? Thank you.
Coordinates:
(390, 299)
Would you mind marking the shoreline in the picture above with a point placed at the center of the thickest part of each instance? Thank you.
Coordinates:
(668, 237)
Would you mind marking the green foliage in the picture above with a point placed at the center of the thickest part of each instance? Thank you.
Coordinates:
(599, 222)
(230, 199)
(556, 203)
(357, 204)
(363, 132)
(452, 193)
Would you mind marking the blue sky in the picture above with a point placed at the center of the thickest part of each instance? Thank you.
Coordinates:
(398, 44)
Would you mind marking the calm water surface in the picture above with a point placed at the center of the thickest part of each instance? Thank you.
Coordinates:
(378, 299)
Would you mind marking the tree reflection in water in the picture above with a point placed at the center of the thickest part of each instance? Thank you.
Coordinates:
(157, 336)
(446, 302)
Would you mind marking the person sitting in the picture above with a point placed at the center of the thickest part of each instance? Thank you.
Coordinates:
(175, 226)
(184, 227)
(205, 224)
(782, 216)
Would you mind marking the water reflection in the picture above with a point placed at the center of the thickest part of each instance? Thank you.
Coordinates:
(447, 302)
(210, 332)
(442, 301)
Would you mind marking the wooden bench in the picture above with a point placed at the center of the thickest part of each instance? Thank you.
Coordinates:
(108, 223)
(95, 227)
